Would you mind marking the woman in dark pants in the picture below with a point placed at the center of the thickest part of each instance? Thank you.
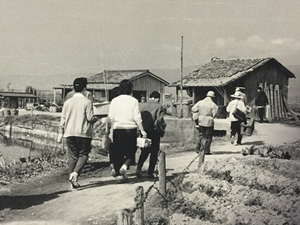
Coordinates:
(125, 117)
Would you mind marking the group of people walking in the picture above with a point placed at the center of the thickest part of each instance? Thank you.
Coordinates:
(204, 112)
(127, 118)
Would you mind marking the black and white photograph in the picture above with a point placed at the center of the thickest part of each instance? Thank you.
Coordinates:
(149, 112)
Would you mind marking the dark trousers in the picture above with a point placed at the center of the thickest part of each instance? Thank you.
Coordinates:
(261, 113)
(152, 151)
(205, 138)
(236, 129)
(78, 152)
(124, 147)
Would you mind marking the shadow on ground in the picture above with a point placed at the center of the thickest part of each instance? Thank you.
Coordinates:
(23, 202)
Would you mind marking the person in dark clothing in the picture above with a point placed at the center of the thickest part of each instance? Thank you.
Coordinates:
(261, 101)
(151, 112)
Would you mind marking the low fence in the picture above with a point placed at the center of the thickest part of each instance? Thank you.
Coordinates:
(43, 136)
(136, 215)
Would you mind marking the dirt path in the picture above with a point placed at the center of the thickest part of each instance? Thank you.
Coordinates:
(50, 201)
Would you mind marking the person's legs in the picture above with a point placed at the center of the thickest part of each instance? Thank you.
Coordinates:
(130, 146)
(201, 140)
(208, 137)
(72, 153)
(240, 136)
(118, 156)
(261, 112)
(84, 148)
(143, 156)
(153, 153)
(235, 125)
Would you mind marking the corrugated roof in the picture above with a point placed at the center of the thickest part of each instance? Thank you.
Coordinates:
(17, 95)
(219, 72)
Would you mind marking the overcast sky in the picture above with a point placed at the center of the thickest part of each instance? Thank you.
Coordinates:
(78, 36)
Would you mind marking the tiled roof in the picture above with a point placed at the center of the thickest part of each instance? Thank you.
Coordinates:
(219, 72)
(116, 76)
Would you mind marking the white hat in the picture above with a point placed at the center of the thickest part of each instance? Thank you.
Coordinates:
(210, 94)
(237, 94)
(239, 88)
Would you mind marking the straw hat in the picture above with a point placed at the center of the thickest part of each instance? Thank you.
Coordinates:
(237, 94)
(210, 94)
(239, 88)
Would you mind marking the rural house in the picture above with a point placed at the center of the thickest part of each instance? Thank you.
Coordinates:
(101, 84)
(14, 100)
(224, 75)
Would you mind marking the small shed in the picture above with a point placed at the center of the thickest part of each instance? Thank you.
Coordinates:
(101, 84)
(16, 100)
(223, 75)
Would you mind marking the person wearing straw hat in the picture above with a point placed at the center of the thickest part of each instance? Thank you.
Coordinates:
(235, 126)
(241, 90)
(204, 112)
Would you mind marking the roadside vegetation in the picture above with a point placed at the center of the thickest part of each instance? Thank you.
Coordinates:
(260, 188)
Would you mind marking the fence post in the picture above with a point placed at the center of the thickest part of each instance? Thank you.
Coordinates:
(162, 173)
(201, 159)
(139, 204)
(124, 217)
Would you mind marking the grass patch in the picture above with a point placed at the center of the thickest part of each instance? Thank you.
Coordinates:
(33, 166)
(36, 119)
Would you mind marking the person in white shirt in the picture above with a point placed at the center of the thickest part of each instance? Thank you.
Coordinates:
(235, 125)
(125, 116)
(204, 112)
(76, 127)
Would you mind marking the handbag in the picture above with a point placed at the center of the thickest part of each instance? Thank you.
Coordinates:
(238, 114)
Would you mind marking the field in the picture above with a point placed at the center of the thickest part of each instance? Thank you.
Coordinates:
(248, 190)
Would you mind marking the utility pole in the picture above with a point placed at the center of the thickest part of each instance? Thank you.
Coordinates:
(181, 76)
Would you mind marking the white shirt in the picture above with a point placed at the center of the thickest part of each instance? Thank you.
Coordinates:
(124, 112)
(236, 103)
(206, 110)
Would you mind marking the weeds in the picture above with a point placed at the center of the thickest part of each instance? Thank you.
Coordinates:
(33, 166)
(220, 175)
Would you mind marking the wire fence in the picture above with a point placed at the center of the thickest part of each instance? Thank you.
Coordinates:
(166, 196)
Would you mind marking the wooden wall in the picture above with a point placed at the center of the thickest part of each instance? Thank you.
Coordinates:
(148, 83)
(270, 73)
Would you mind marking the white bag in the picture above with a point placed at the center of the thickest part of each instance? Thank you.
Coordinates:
(143, 142)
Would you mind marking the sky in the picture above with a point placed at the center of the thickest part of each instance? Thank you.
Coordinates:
(52, 37)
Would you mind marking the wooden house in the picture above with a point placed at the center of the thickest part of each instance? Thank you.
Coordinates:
(14, 100)
(101, 84)
(223, 75)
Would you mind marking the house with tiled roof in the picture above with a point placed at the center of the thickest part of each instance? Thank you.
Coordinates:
(223, 75)
(101, 84)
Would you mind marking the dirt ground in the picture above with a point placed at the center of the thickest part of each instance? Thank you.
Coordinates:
(49, 200)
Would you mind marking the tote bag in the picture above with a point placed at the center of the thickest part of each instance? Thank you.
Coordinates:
(238, 114)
